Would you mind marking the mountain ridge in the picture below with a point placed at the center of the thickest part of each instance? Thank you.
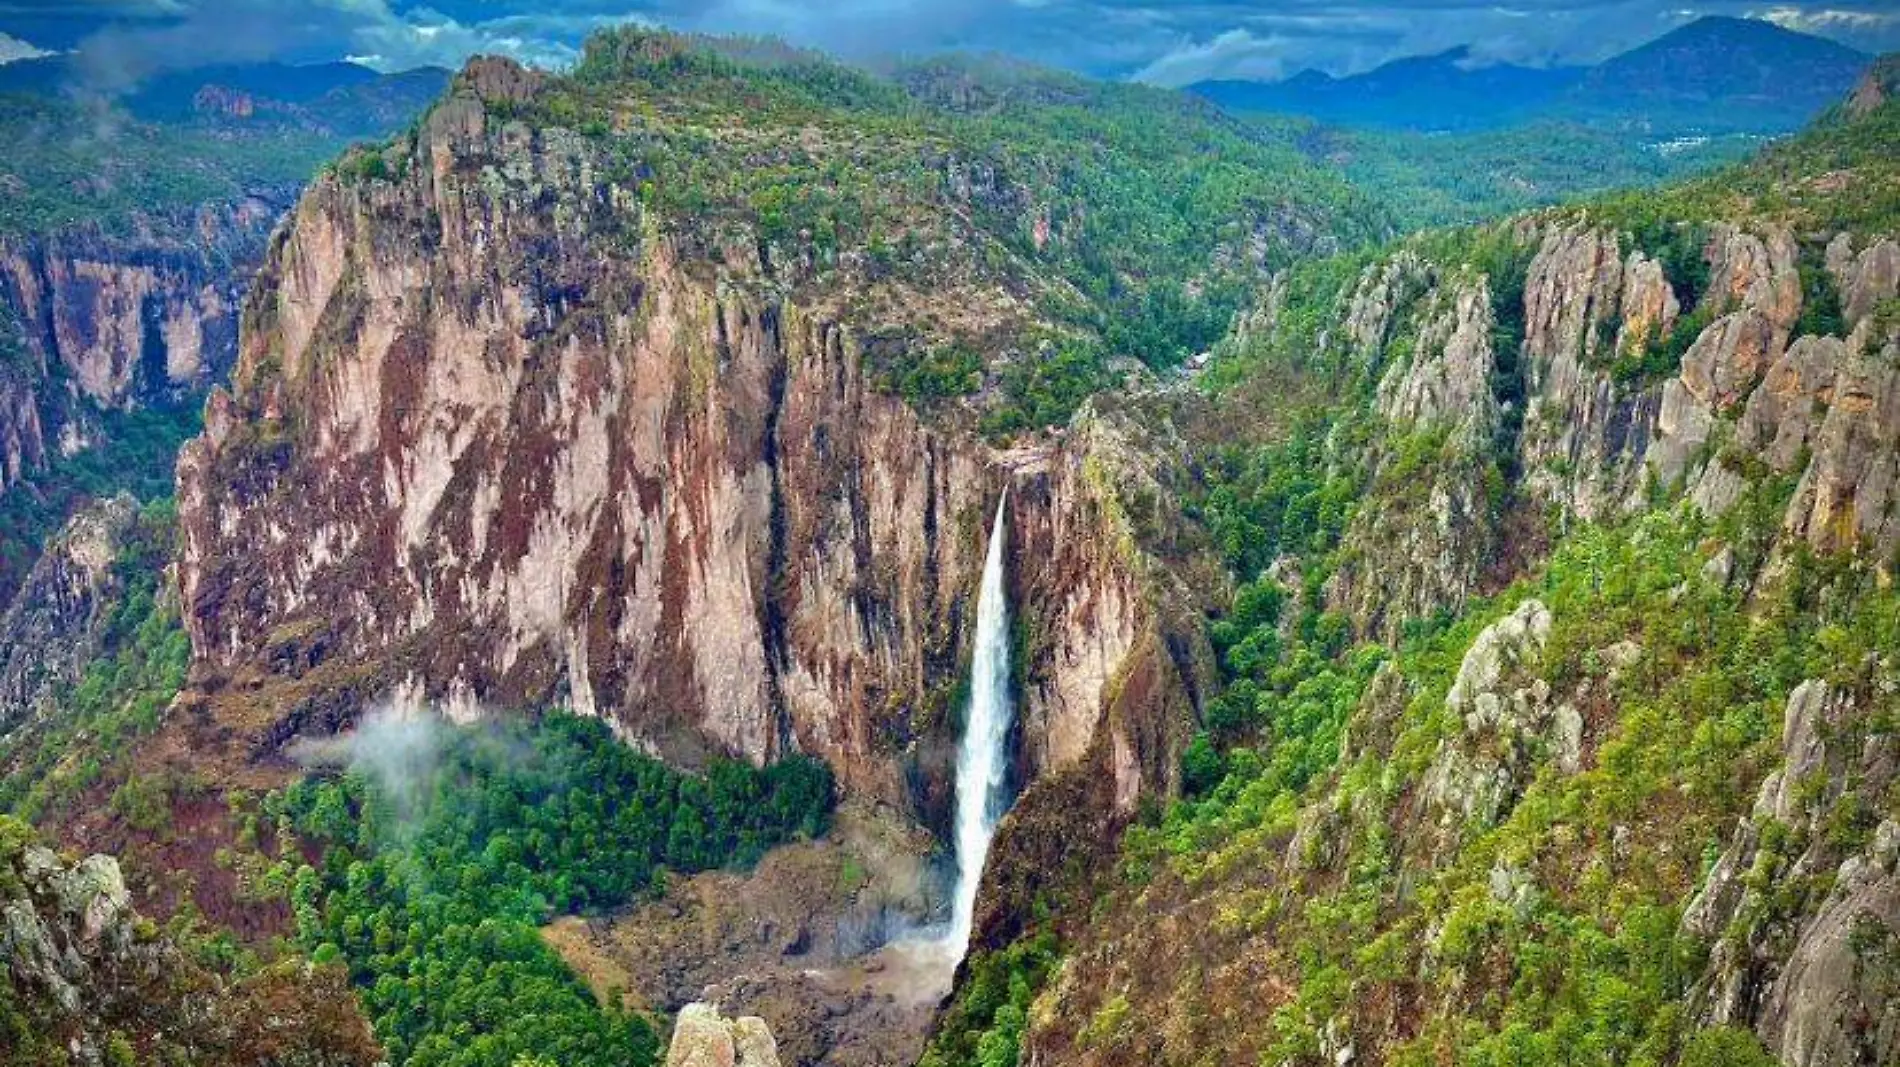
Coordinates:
(1715, 74)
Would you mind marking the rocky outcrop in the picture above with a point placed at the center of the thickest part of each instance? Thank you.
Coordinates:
(1382, 293)
(55, 627)
(93, 982)
(1591, 441)
(1805, 922)
(87, 916)
(1583, 436)
(1512, 724)
(704, 1038)
(22, 434)
(1863, 279)
(1834, 1001)
(1568, 427)
(1425, 547)
(1445, 377)
(1816, 407)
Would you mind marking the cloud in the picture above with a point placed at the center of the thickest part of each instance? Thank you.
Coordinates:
(12, 50)
(398, 747)
(179, 34)
(1165, 42)
(1236, 54)
(1825, 20)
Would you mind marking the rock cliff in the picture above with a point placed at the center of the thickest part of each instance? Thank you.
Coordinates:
(1614, 468)
(1572, 430)
(1814, 966)
(545, 444)
(55, 627)
(141, 315)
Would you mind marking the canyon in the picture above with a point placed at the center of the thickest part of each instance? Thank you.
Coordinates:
(1483, 651)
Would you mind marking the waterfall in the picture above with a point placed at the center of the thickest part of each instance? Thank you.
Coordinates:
(981, 755)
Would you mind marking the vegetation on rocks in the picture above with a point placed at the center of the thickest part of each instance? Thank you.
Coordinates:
(85, 979)
(135, 454)
(1547, 821)
(47, 765)
(1135, 221)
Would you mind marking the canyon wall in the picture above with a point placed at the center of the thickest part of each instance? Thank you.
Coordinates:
(100, 320)
(500, 437)
(1513, 415)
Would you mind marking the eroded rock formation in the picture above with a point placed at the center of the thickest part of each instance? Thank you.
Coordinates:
(1559, 431)
(1805, 926)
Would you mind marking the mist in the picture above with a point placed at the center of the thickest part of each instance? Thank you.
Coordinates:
(396, 745)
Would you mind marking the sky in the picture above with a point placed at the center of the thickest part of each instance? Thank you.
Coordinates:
(1161, 42)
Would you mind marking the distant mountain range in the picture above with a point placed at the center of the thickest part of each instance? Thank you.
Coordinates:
(1714, 75)
(345, 99)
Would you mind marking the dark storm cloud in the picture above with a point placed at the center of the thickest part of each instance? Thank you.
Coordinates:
(1169, 43)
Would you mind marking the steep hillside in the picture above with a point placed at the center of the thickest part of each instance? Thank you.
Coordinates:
(1558, 710)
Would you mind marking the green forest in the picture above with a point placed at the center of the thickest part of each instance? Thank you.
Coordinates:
(432, 887)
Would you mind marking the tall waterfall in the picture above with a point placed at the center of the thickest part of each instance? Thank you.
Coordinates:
(981, 756)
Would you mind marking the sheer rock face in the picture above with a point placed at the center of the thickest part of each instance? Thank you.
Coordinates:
(1590, 443)
(1447, 377)
(1834, 1001)
(538, 452)
(1583, 436)
(1863, 278)
(22, 434)
(1814, 974)
(112, 322)
(1404, 561)
(52, 631)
